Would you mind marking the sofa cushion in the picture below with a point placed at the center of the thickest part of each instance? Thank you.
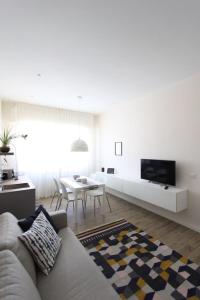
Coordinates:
(59, 218)
(15, 282)
(74, 276)
(43, 243)
(9, 232)
(26, 224)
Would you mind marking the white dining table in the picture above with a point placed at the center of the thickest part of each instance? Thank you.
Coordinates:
(78, 187)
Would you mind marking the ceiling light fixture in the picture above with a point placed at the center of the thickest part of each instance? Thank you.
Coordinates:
(79, 145)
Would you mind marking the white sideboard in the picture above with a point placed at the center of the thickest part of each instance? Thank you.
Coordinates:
(173, 199)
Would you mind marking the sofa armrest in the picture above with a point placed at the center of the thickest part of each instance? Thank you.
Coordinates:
(59, 218)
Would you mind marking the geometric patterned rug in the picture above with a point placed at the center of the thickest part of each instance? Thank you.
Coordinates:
(139, 266)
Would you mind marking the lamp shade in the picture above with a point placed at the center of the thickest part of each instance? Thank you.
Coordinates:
(79, 146)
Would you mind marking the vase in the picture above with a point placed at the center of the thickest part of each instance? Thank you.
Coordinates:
(4, 149)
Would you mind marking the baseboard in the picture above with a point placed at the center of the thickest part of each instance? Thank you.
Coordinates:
(149, 207)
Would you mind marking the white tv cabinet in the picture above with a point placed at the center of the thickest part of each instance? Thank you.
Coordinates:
(173, 199)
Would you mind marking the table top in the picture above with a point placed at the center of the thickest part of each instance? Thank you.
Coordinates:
(70, 182)
(20, 184)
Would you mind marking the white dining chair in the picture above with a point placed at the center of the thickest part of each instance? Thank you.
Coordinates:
(69, 197)
(58, 193)
(96, 194)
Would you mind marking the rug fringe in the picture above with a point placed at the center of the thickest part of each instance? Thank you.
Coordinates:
(102, 226)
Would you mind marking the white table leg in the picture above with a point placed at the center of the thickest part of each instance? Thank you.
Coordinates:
(104, 201)
(76, 206)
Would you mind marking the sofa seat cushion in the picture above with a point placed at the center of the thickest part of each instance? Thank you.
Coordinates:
(15, 282)
(74, 276)
(9, 232)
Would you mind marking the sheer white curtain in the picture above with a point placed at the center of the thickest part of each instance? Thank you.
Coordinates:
(46, 152)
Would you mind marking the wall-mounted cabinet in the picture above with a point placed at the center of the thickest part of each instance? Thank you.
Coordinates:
(173, 199)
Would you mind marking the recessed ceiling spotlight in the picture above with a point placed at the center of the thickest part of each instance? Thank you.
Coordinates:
(79, 97)
(38, 75)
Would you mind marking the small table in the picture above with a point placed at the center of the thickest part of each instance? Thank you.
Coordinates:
(76, 187)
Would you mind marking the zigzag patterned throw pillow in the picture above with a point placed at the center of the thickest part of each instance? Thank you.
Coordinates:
(43, 243)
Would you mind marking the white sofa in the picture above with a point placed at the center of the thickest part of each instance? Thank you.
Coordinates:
(74, 276)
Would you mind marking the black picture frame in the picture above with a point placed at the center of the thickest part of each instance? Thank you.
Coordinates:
(110, 170)
(118, 148)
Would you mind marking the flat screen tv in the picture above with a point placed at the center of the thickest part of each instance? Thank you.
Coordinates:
(159, 171)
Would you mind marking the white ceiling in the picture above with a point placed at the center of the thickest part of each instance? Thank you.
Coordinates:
(107, 51)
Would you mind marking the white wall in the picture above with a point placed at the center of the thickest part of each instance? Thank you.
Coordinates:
(0, 116)
(161, 126)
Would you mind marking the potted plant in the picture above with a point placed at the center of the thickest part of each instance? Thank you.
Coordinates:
(5, 139)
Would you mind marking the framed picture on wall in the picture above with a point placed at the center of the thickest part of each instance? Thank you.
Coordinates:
(118, 148)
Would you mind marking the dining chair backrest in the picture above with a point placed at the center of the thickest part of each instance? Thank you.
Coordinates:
(94, 187)
(64, 192)
(57, 185)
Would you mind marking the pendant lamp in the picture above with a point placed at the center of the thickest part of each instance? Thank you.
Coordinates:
(79, 145)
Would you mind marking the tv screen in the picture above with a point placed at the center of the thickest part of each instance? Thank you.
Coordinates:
(161, 171)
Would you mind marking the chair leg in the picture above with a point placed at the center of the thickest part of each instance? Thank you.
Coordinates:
(99, 200)
(85, 202)
(83, 206)
(53, 198)
(57, 202)
(94, 206)
(60, 202)
(108, 202)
